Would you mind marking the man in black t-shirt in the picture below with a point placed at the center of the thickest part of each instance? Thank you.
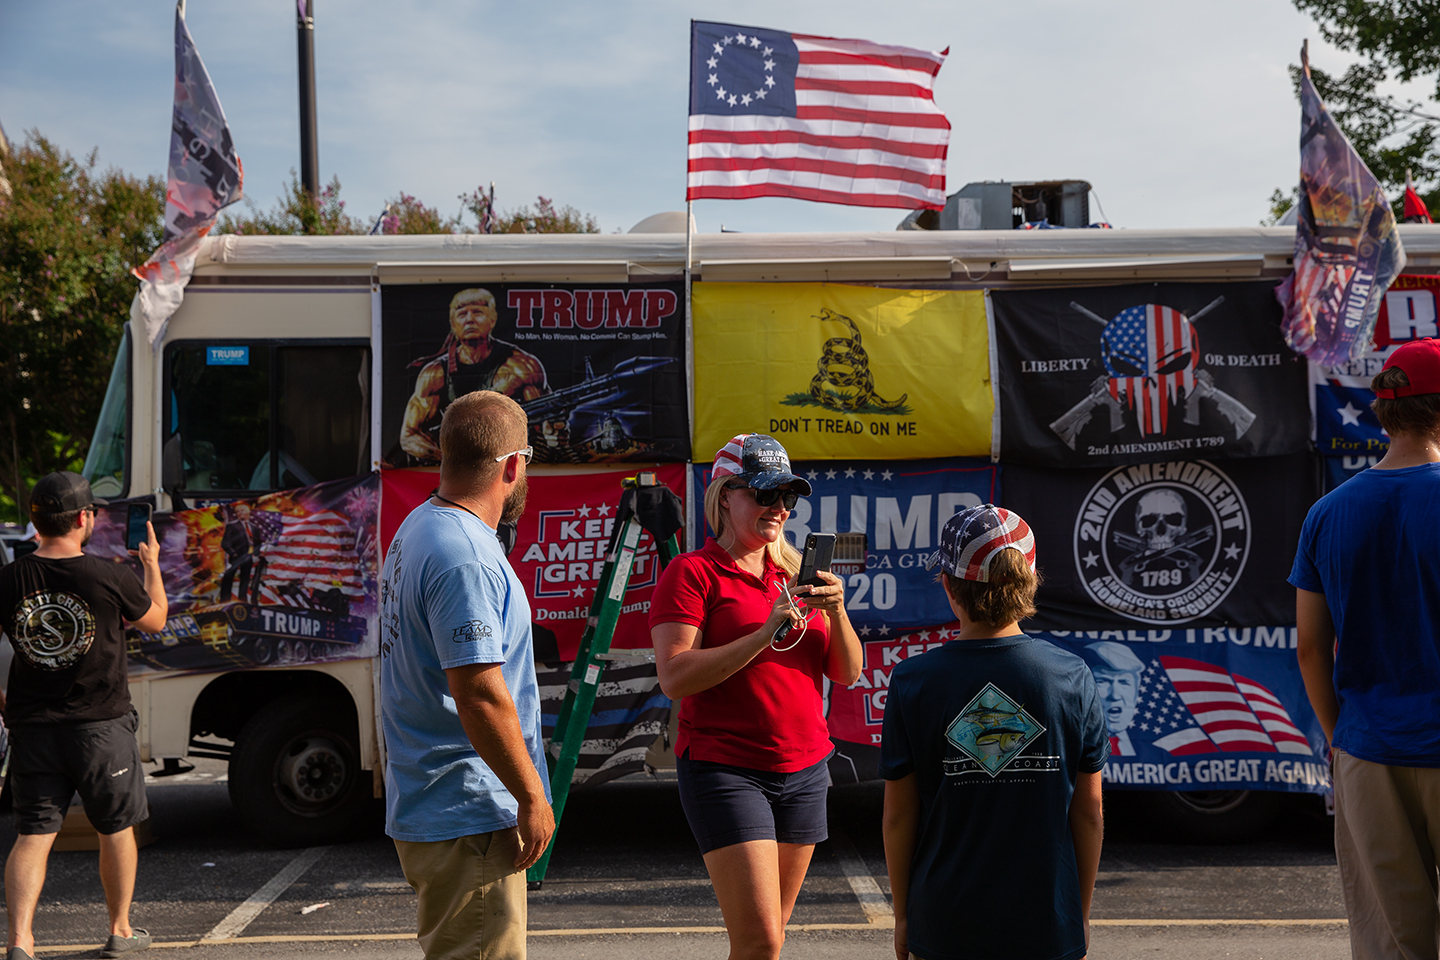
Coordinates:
(68, 709)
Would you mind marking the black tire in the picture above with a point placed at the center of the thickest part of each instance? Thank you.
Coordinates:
(295, 777)
(1214, 816)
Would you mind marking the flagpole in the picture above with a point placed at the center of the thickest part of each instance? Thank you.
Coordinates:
(689, 373)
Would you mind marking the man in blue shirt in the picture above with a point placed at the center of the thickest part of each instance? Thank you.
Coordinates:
(1367, 573)
(466, 801)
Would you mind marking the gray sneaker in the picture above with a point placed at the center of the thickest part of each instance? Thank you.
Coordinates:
(18, 953)
(119, 946)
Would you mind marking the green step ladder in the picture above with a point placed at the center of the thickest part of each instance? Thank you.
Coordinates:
(574, 719)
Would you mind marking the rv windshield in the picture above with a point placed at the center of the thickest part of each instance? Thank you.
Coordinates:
(107, 464)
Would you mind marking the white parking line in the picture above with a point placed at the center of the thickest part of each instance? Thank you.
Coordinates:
(876, 908)
(240, 917)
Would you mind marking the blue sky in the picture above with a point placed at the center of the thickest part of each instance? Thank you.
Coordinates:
(1178, 114)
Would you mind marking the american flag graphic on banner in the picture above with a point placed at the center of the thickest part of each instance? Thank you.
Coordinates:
(776, 114)
(312, 554)
(1151, 351)
(1191, 706)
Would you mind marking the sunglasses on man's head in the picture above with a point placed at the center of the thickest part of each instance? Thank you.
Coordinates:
(767, 498)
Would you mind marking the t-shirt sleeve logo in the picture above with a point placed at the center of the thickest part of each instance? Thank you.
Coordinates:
(472, 632)
(991, 731)
(53, 629)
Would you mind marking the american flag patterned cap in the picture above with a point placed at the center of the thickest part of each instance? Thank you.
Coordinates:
(758, 460)
(973, 537)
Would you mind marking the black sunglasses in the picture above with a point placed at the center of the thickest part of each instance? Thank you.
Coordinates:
(767, 498)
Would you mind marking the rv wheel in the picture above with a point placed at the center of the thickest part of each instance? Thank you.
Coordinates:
(295, 776)
(1214, 816)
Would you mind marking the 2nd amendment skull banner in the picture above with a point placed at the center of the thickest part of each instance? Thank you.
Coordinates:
(1100, 376)
(1190, 543)
(840, 372)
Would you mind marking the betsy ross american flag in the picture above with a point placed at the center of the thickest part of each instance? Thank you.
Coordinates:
(1150, 352)
(1191, 706)
(776, 114)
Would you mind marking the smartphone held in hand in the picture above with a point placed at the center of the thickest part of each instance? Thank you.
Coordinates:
(819, 549)
(136, 517)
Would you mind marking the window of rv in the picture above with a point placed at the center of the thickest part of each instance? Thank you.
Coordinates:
(258, 415)
(107, 464)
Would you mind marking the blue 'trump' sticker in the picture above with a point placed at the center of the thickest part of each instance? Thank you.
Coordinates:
(227, 356)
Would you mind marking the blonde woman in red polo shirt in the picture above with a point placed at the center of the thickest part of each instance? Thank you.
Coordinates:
(753, 740)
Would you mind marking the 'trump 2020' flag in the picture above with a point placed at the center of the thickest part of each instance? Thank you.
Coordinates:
(205, 176)
(1346, 248)
(776, 114)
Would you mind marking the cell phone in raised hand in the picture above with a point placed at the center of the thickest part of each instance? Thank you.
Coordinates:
(136, 516)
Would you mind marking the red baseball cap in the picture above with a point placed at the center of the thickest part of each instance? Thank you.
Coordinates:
(1420, 359)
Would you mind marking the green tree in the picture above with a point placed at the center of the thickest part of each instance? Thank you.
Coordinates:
(1396, 40)
(545, 218)
(69, 235)
(296, 213)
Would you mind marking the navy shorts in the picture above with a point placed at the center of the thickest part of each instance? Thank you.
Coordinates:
(50, 763)
(727, 805)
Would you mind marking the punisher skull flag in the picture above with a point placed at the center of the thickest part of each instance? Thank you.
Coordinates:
(1185, 543)
(1104, 376)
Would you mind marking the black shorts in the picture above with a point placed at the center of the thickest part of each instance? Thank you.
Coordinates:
(50, 763)
(727, 805)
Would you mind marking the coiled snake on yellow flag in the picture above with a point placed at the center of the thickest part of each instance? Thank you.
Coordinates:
(845, 367)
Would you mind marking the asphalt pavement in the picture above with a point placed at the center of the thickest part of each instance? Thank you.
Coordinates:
(626, 879)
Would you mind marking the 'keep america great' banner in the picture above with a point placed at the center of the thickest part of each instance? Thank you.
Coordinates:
(1102, 376)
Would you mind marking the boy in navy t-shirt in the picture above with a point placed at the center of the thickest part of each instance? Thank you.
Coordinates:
(992, 750)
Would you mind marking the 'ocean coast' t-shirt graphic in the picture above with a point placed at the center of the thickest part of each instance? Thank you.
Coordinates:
(1162, 543)
(53, 629)
(991, 732)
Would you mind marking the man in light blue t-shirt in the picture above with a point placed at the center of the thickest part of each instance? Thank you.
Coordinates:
(466, 800)
(1367, 609)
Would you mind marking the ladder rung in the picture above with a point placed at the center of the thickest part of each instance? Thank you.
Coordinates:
(613, 655)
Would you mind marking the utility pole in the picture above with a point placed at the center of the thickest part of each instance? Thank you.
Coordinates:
(309, 145)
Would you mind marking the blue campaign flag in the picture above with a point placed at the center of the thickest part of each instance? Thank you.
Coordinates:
(1340, 469)
(901, 506)
(1344, 422)
(1210, 708)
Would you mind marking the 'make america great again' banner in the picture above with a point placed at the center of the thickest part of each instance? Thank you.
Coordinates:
(1100, 376)
(1194, 708)
(1183, 542)
(600, 370)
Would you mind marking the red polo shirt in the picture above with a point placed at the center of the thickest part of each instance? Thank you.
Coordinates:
(769, 715)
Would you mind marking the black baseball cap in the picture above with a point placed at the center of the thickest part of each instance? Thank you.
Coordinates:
(61, 492)
(760, 462)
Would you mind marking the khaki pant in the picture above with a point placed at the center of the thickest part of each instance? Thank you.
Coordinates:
(472, 896)
(1387, 836)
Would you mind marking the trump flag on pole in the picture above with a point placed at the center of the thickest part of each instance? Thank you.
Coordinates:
(204, 176)
(776, 114)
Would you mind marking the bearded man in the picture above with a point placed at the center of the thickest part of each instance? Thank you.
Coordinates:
(466, 801)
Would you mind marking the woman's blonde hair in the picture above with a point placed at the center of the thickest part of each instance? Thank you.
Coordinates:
(781, 553)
